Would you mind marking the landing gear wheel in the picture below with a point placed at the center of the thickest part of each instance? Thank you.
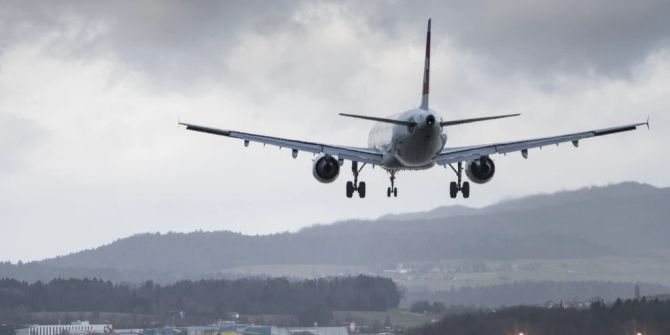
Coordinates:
(388, 192)
(361, 189)
(350, 189)
(355, 186)
(460, 185)
(453, 189)
(395, 192)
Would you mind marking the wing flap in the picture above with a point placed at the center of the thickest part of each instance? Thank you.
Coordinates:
(364, 155)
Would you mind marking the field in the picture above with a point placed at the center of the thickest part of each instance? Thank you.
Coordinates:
(447, 274)
(614, 269)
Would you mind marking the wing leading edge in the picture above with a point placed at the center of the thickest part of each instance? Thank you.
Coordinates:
(454, 155)
(363, 155)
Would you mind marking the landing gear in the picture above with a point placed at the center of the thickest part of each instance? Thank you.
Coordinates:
(455, 187)
(392, 189)
(355, 186)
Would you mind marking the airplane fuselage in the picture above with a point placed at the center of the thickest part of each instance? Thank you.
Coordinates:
(409, 147)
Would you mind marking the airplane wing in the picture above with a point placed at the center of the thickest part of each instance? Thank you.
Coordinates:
(454, 155)
(363, 155)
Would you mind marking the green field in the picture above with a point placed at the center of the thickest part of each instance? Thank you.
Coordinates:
(439, 275)
(614, 269)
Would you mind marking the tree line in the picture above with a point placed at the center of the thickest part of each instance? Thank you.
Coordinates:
(536, 292)
(307, 300)
(622, 317)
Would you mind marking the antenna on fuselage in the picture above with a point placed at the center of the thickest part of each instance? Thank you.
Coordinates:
(426, 72)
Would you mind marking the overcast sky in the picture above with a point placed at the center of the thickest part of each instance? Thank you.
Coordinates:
(91, 91)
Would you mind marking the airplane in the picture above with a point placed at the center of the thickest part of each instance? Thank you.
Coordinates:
(412, 140)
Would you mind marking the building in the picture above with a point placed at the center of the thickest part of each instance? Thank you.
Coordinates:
(162, 331)
(230, 328)
(310, 330)
(75, 328)
(244, 329)
(133, 331)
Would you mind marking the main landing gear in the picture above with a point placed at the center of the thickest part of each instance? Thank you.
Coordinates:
(455, 187)
(355, 186)
(392, 189)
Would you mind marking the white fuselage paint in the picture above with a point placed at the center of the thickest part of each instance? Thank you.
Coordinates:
(405, 148)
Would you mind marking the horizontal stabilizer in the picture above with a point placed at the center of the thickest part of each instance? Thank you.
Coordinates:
(379, 119)
(455, 122)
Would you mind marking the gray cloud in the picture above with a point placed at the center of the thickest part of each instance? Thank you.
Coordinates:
(177, 41)
(600, 37)
(172, 41)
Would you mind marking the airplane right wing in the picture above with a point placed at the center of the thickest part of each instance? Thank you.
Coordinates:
(462, 154)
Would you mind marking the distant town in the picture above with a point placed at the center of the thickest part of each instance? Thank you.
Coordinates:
(219, 328)
(640, 316)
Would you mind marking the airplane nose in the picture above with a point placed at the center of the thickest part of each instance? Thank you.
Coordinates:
(430, 120)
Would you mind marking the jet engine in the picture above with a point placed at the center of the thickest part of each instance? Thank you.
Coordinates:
(326, 168)
(480, 170)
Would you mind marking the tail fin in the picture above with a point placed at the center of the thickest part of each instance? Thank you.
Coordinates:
(426, 72)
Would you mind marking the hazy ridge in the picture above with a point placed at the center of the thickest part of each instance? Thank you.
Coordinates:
(627, 219)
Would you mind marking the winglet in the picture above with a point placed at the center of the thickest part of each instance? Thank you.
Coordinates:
(426, 72)
(647, 123)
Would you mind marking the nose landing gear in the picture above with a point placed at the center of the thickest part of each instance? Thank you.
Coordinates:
(460, 186)
(355, 186)
(392, 189)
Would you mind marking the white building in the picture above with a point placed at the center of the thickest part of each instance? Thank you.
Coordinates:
(75, 328)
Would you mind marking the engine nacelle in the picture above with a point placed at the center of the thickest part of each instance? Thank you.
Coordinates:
(326, 168)
(480, 170)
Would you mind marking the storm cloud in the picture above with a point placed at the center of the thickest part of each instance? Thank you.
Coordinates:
(597, 37)
(177, 40)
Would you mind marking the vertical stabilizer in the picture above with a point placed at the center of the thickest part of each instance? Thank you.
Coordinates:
(426, 72)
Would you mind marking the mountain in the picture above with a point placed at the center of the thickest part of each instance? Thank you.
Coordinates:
(436, 213)
(627, 219)
(627, 189)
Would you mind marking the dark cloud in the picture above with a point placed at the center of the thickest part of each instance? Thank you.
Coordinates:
(21, 20)
(601, 37)
(171, 40)
(183, 41)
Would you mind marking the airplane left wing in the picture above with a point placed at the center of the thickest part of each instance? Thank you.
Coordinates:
(462, 154)
(363, 155)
